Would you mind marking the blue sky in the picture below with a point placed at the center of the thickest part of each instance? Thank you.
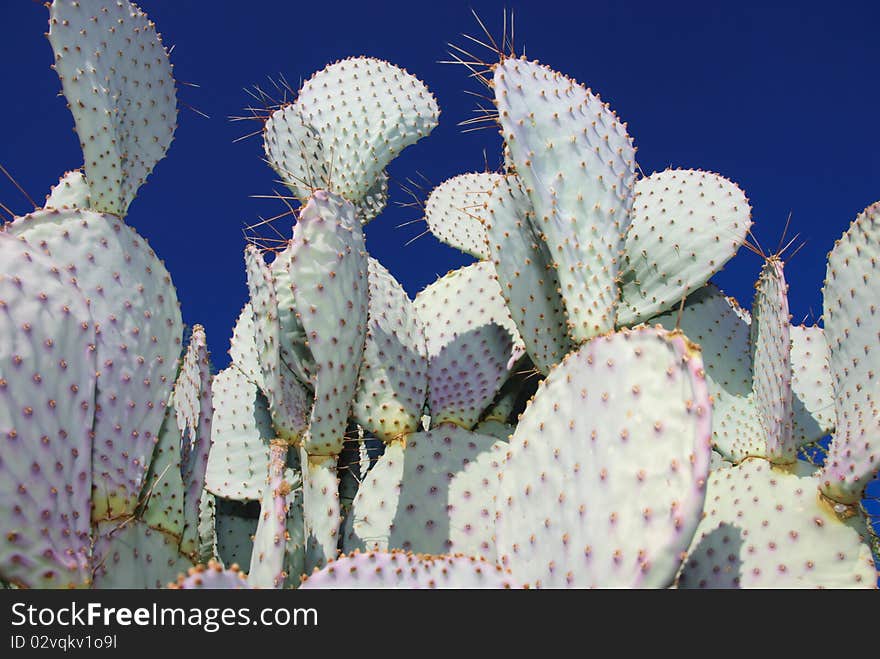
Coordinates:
(780, 97)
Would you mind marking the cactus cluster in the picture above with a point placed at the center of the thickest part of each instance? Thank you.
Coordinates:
(578, 407)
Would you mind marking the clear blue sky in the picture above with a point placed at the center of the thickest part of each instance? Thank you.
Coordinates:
(780, 97)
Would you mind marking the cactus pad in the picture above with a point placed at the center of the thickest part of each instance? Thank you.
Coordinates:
(435, 495)
(456, 210)
(472, 343)
(686, 225)
(135, 307)
(47, 395)
(605, 478)
(577, 164)
(117, 78)
(130, 554)
(768, 528)
(399, 569)
(212, 576)
(528, 282)
(72, 191)
(393, 377)
(852, 330)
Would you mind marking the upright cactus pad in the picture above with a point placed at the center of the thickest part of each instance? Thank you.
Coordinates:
(329, 282)
(605, 479)
(771, 359)
(393, 378)
(528, 281)
(47, 406)
(852, 329)
(240, 433)
(456, 210)
(129, 554)
(135, 307)
(686, 225)
(397, 569)
(812, 390)
(295, 151)
(270, 540)
(117, 78)
(578, 167)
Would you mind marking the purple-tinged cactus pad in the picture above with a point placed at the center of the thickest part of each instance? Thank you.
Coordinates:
(577, 164)
(606, 474)
(393, 378)
(456, 211)
(47, 405)
(435, 495)
(528, 281)
(852, 330)
(366, 111)
(117, 78)
(472, 342)
(764, 527)
(771, 362)
(329, 281)
(194, 409)
(686, 224)
(212, 576)
(812, 388)
(134, 304)
(397, 569)
(71, 191)
(129, 554)
(240, 433)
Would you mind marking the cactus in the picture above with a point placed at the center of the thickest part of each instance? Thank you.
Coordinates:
(578, 407)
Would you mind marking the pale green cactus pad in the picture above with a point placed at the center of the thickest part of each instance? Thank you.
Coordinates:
(813, 393)
(577, 164)
(212, 576)
(130, 554)
(71, 191)
(322, 514)
(270, 541)
(366, 111)
(473, 344)
(852, 330)
(235, 526)
(240, 433)
(194, 409)
(295, 152)
(373, 201)
(134, 304)
(393, 378)
(767, 528)
(605, 478)
(117, 78)
(716, 324)
(47, 405)
(397, 569)
(456, 211)
(435, 495)
(771, 362)
(686, 224)
(528, 282)
(162, 499)
(243, 346)
(329, 282)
